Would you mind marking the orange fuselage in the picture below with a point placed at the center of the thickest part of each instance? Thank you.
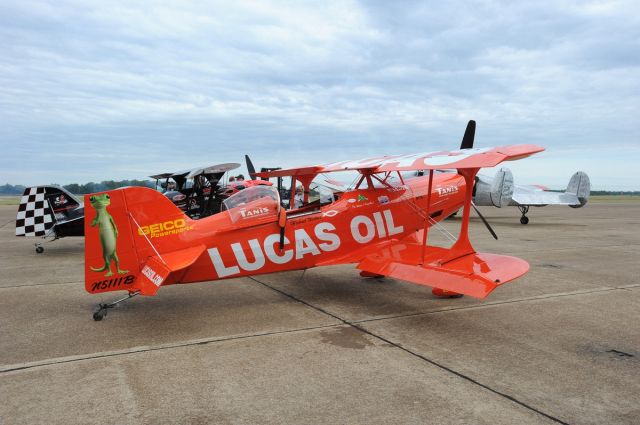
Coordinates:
(340, 232)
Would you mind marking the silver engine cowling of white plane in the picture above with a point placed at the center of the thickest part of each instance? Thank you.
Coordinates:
(498, 193)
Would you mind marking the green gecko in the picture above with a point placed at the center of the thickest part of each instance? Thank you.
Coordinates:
(108, 233)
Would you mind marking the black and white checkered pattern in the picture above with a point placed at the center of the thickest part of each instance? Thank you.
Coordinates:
(34, 214)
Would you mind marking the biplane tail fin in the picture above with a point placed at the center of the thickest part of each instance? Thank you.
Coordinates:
(580, 186)
(134, 241)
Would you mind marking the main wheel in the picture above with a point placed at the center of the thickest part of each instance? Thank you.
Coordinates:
(39, 249)
(524, 219)
(97, 316)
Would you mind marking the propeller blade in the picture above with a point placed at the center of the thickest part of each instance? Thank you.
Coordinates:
(250, 168)
(486, 223)
(469, 135)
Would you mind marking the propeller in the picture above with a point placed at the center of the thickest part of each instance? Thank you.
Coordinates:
(250, 168)
(469, 135)
(486, 223)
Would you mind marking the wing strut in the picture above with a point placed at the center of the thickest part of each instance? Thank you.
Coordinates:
(463, 245)
(426, 219)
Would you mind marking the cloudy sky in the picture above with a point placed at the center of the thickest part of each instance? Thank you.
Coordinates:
(91, 91)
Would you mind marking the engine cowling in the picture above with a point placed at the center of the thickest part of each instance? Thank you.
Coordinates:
(498, 193)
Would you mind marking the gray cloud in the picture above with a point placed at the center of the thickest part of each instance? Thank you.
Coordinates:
(117, 90)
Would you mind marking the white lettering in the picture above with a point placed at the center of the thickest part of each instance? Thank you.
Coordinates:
(333, 240)
(446, 190)
(304, 244)
(253, 212)
(379, 224)
(390, 226)
(355, 229)
(218, 264)
(242, 258)
(155, 278)
(269, 250)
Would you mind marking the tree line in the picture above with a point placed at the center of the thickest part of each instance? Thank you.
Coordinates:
(81, 189)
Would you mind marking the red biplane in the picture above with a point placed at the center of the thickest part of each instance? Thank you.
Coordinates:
(138, 241)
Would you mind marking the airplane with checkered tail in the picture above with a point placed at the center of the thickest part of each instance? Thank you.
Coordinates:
(138, 241)
(49, 212)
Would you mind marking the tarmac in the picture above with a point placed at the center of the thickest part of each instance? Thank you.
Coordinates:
(560, 345)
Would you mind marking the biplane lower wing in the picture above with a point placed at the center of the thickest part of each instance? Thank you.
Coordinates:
(475, 274)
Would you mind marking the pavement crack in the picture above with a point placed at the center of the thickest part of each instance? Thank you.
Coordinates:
(30, 285)
(525, 251)
(321, 310)
(413, 353)
(495, 303)
(94, 356)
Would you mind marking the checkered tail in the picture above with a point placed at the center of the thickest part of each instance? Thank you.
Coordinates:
(35, 216)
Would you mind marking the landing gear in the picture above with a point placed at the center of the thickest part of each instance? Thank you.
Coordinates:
(524, 209)
(102, 308)
(49, 237)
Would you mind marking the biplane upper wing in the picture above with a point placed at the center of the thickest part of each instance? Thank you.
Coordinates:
(463, 158)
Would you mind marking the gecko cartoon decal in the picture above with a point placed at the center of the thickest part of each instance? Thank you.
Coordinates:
(108, 233)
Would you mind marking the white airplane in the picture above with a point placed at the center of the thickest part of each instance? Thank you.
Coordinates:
(501, 191)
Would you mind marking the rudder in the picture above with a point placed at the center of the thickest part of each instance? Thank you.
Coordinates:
(35, 216)
(579, 185)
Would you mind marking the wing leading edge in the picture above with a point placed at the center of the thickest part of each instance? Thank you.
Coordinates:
(458, 159)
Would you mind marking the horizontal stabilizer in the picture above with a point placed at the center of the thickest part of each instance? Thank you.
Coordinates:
(158, 270)
(523, 196)
(576, 195)
(475, 274)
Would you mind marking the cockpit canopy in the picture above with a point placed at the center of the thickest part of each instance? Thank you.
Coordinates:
(255, 203)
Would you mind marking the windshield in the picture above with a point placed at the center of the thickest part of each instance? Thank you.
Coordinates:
(253, 203)
(324, 193)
